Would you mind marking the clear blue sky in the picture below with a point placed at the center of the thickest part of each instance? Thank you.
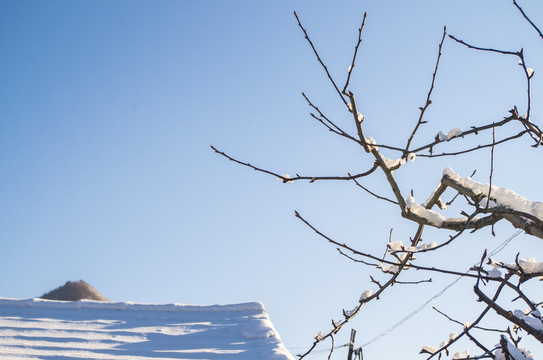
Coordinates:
(108, 109)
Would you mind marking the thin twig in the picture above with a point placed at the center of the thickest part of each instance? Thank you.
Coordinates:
(356, 260)
(479, 147)
(374, 194)
(331, 123)
(354, 56)
(428, 101)
(508, 314)
(332, 348)
(491, 166)
(358, 123)
(504, 52)
(287, 179)
(466, 329)
(475, 327)
(528, 19)
(473, 130)
(319, 59)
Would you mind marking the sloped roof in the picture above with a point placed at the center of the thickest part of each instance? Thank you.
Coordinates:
(86, 329)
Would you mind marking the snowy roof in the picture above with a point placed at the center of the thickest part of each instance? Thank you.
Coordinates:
(86, 329)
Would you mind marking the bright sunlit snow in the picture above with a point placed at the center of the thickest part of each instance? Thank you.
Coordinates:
(500, 196)
(87, 329)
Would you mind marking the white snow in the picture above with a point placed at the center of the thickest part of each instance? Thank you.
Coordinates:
(360, 117)
(411, 156)
(396, 246)
(461, 355)
(393, 164)
(530, 72)
(495, 273)
(285, 176)
(91, 330)
(366, 294)
(429, 349)
(350, 313)
(532, 321)
(388, 268)
(516, 353)
(431, 216)
(530, 266)
(371, 143)
(500, 196)
(450, 134)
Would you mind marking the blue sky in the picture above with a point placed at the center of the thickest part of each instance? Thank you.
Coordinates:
(109, 107)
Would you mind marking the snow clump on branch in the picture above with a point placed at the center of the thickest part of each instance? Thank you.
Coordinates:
(371, 144)
(285, 178)
(530, 266)
(366, 294)
(393, 164)
(461, 355)
(499, 196)
(514, 352)
(450, 135)
(494, 273)
(532, 321)
(396, 246)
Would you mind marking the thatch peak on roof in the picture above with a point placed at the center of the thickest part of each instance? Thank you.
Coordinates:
(73, 291)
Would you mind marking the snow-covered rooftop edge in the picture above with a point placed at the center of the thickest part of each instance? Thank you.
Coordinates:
(93, 330)
(92, 304)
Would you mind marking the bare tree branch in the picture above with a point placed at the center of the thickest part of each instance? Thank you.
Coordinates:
(504, 52)
(287, 179)
(319, 59)
(428, 101)
(528, 19)
(344, 91)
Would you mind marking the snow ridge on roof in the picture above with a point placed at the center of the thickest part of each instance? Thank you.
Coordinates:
(92, 330)
(92, 304)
